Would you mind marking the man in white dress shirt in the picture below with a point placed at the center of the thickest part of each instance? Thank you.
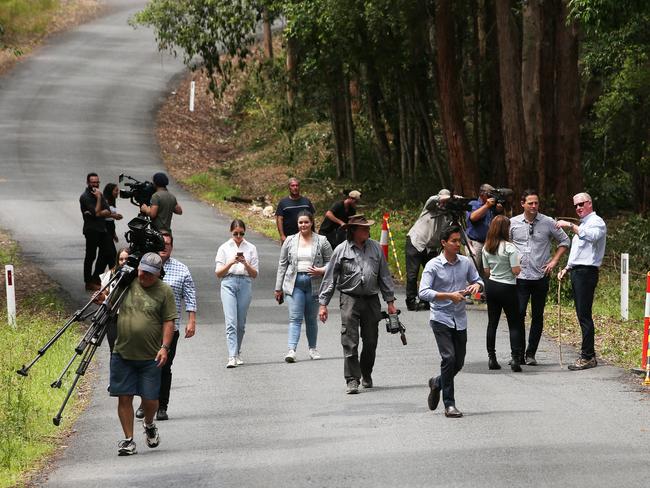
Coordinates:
(585, 258)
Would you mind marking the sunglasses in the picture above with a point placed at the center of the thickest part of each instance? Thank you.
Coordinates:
(238, 234)
(580, 204)
(531, 229)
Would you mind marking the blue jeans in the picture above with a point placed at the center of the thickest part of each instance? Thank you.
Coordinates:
(302, 304)
(236, 294)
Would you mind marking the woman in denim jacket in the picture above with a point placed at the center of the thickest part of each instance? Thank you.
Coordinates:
(303, 259)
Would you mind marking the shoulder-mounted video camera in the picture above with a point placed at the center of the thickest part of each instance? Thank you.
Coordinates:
(501, 195)
(394, 325)
(143, 238)
(138, 192)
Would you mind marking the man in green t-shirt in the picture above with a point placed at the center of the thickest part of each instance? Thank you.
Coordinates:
(145, 329)
(163, 205)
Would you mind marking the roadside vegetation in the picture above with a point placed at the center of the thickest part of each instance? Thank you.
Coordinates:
(239, 145)
(27, 435)
(24, 24)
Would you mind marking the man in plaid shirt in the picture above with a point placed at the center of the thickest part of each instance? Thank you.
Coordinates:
(178, 277)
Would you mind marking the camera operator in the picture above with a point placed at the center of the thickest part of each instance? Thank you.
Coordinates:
(336, 218)
(422, 244)
(360, 272)
(145, 330)
(163, 205)
(95, 209)
(483, 210)
(532, 234)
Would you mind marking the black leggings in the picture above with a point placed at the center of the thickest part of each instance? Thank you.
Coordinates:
(501, 296)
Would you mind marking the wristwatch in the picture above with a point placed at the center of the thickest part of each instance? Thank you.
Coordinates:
(165, 347)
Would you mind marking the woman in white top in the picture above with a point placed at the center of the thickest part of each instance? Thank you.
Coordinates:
(501, 265)
(237, 266)
(303, 259)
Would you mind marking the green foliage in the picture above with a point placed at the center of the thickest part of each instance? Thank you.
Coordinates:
(205, 29)
(211, 185)
(27, 405)
(630, 234)
(19, 18)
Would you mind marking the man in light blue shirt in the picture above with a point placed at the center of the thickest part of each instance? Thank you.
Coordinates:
(532, 234)
(585, 258)
(445, 282)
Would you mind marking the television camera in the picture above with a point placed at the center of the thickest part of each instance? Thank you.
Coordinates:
(142, 239)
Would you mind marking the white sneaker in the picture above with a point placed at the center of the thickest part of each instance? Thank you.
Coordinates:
(313, 353)
(291, 356)
(232, 362)
(238, 360)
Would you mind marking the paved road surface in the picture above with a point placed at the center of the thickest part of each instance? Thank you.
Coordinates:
(87, 102)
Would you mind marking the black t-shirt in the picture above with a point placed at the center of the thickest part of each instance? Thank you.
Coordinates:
(289, 209)
(87, 203)
(339, 211)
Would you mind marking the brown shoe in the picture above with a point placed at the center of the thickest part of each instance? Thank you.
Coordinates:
(583, 363)
(452, 412)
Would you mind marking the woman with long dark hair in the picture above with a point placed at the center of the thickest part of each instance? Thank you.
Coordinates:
(501, 265)
(111, 191)
(237, 267)
(303, 259)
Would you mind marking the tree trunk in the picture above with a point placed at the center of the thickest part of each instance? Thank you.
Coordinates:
(292, 75)
(349, 126)
(547, 116)
(267, 33)
(568, 163)
(374, 97)
(462, 163)
(530, 79)
(516, 157)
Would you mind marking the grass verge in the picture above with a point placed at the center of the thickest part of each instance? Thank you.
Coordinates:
(27, 405)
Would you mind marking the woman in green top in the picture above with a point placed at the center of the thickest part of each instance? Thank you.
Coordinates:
(501, 265)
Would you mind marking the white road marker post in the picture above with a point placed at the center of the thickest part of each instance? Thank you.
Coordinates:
(11, 295)
(192, 89)
(625, 285)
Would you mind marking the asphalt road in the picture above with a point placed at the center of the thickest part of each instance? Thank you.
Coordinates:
(87, 101)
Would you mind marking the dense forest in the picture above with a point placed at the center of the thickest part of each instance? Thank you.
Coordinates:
(550, 94)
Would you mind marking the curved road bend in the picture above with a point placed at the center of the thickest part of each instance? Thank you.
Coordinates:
(86, 102)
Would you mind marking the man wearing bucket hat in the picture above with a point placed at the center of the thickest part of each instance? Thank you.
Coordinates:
(422, 244)
(163, 205)
(145, 329)
(360, 272)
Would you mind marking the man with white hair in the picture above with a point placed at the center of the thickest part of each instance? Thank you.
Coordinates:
(585, 258)
(423, 243)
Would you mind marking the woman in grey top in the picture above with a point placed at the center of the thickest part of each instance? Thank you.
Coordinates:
(501, 266)
(303, 259)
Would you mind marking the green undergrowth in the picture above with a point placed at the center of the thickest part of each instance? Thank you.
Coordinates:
(28, 404)
(20, 19)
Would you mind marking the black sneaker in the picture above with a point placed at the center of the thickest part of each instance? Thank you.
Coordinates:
(162, 414)
(126, 447)
(411, 305)
(139, 413)
(151, 433)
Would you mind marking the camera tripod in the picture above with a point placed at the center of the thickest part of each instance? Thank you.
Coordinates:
(92, 339)
(464, 239)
